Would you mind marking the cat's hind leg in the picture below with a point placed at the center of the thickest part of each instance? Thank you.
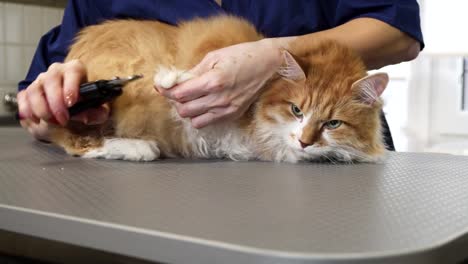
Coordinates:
(168, 77)
(76, 140)
(99, 142)
(125, 149)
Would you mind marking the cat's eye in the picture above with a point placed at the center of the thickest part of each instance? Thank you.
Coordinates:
(296, 111)
(333, 124)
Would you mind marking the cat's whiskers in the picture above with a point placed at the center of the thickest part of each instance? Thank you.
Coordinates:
(332, 161)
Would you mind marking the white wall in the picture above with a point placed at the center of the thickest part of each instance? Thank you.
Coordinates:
(435, 119)
(21, 27)
(444, 26)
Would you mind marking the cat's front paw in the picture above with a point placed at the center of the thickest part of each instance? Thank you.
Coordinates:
(125, 149)
(168, 77)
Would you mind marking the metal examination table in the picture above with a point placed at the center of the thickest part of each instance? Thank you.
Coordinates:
(412, 209)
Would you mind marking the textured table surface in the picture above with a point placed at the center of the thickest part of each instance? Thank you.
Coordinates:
(411, 209)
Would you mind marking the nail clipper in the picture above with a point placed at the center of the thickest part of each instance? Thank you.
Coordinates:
(94, 94)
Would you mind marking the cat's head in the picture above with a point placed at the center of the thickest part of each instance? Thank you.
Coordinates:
(323, 105)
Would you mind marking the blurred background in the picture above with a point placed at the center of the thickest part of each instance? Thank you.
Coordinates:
(426, 102)
(22, 23)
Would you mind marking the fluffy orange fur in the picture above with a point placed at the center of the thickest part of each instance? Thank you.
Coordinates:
(334, 88)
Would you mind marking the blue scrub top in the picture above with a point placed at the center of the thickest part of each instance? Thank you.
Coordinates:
(272, 18)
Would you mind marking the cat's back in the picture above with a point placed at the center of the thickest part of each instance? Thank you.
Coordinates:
(123, 40)
(199, 36)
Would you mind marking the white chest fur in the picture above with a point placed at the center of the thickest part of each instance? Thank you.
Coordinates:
(215, 141)
(224, 140)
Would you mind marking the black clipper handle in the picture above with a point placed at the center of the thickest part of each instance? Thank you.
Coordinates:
(94, 94)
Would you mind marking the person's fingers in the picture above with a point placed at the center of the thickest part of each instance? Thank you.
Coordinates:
(25, 123)
(208, 63)
(32, 117)
(40, 130)
(205, 119)
(74, 74)
(44, 101)
(52, 85)
(192, 108)
(201, 105)
(24, 110)
(37, 102)
(197, 87)
(212, 116)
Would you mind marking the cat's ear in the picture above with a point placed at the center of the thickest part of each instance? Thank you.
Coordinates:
(290, 69)
(369, 88)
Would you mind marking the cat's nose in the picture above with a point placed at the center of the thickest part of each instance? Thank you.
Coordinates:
(303, 144)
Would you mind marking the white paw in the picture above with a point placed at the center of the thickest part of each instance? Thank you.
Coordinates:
(125, 149)
(168, 77)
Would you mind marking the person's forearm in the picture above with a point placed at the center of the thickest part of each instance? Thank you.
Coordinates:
(378, 43)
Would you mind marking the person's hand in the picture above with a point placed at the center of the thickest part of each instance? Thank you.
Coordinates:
(48, 98)
(229, 80)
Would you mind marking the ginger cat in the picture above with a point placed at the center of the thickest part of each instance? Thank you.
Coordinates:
(320, 105)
